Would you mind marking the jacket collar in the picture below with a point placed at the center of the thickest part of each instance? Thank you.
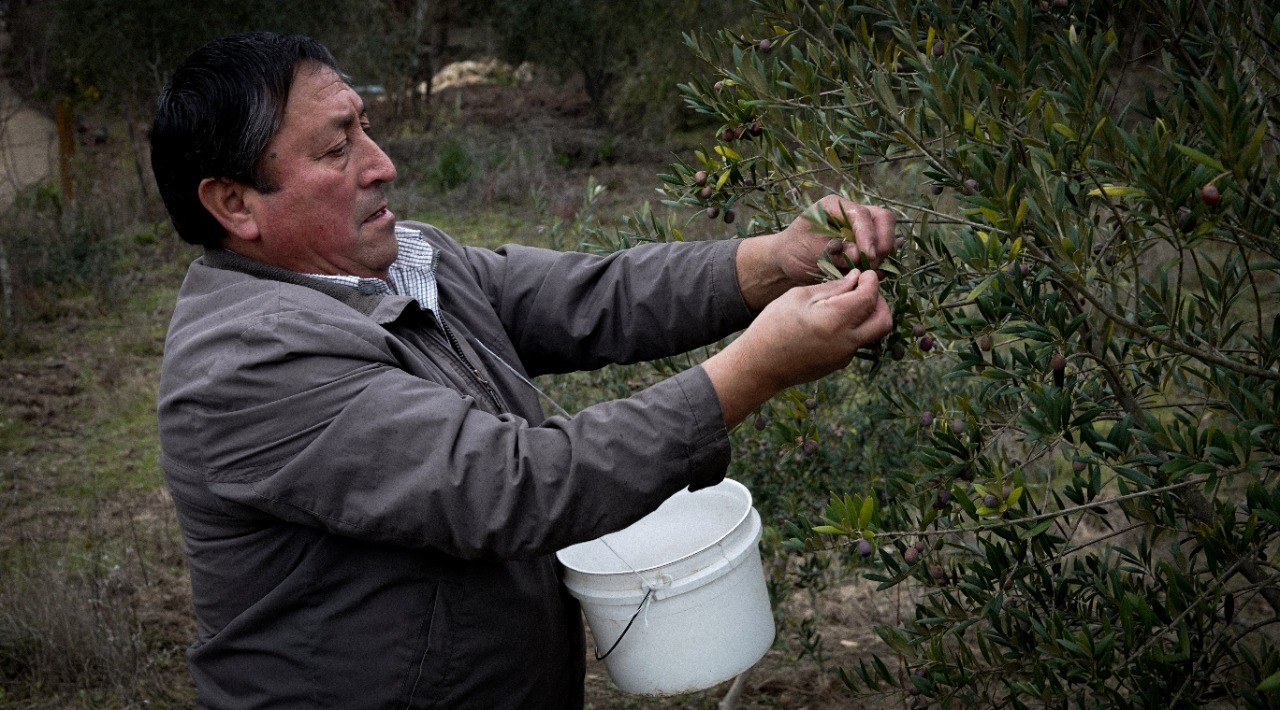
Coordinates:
(381, 308)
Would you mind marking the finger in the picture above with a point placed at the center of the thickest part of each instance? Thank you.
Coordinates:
(876, 325)
(840, 208)
(874, 328)
(885, 226)
(832, 288)
(854, 305)
(864, 232)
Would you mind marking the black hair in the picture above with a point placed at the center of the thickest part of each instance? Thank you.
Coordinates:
(216, 116)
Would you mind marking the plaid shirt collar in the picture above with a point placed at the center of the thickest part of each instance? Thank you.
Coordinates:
(413, 273)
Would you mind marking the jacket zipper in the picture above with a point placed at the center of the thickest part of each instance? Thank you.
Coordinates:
(479, 377)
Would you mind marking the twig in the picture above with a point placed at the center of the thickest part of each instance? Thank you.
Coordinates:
(1043, 516)
(730, 699)
(1170, 343)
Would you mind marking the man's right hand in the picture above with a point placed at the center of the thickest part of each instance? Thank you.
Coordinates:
(804, 334)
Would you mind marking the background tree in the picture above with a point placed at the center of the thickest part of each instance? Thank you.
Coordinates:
(61, 58)
(401, 44)
(1090, 291)
(632, 48)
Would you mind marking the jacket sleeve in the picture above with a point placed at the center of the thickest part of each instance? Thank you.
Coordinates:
(567, 311)
(310, 420)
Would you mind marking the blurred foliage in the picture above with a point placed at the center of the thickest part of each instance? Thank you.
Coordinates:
(454, 167)
(77, 258)
(629, 56)
(1086, 365)
(60, 46)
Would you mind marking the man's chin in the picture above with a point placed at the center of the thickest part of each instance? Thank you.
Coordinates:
(378, 242)
(380, 229)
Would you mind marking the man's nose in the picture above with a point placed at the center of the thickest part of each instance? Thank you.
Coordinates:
(379, 168)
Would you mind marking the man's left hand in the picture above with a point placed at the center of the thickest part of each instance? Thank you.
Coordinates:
(770, 265)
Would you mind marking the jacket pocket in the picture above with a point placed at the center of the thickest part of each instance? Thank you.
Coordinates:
(432, 661)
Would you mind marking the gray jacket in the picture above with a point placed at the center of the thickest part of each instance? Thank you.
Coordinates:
(370, 504)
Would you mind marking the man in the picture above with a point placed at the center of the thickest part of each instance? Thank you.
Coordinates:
(369, 494)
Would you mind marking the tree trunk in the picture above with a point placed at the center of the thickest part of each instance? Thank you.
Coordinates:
(138, 165)
(6, 294)
(65, 121)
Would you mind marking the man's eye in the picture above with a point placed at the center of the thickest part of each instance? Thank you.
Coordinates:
(339, 149)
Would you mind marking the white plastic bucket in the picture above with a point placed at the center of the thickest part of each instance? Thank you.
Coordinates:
(707, 618)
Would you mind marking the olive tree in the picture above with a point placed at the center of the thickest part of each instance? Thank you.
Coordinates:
(1088, 192)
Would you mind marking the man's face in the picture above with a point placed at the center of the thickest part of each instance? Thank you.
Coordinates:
(328, 213)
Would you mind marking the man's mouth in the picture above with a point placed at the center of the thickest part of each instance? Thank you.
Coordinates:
(379, 214)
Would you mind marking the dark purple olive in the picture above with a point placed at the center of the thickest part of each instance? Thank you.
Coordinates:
(864, 548)
(1185, 220)
(1058, 364)
(943, 499)
(926, 418)
(990, 500)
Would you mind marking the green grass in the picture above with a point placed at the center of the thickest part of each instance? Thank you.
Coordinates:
(487, 228)
(122, 452)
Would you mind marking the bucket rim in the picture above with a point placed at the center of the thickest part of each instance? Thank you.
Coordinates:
(737, 524)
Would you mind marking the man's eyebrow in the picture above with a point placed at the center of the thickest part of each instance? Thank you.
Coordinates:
(345, 120)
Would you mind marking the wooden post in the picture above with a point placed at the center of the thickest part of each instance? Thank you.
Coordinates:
(65, 119)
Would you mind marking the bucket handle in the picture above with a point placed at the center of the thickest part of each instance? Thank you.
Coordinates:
(624, 631)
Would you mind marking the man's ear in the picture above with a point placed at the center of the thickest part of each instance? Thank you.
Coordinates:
(227, 201)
